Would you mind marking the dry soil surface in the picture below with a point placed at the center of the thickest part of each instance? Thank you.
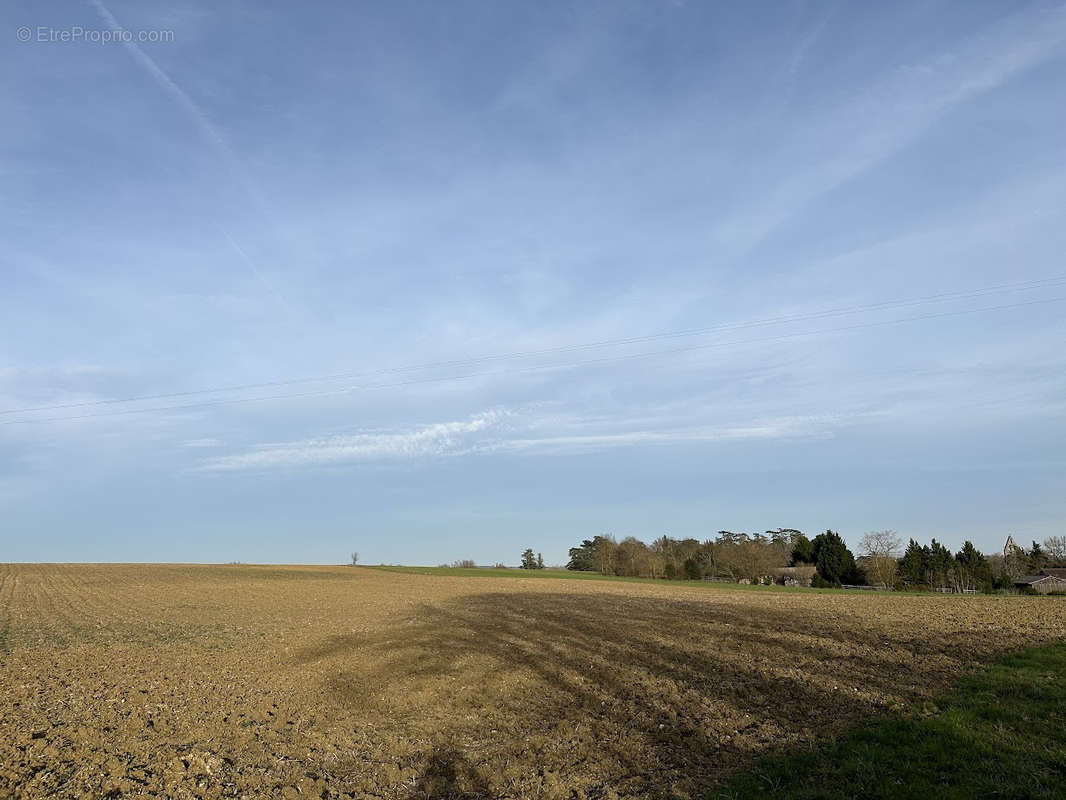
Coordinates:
(240, 681)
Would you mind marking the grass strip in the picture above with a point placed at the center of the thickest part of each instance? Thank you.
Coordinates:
(1000, 733)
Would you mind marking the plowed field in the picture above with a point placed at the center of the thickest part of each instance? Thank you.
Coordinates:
(227, 681)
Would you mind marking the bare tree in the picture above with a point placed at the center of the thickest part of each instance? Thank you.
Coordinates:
(881, 549)
(606, 555)
(881, 543)
(355, 558)
(1055, 546)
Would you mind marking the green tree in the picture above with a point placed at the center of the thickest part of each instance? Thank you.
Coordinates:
(540, 561)
(1037, 558)
(529, 561)
(912, 565)
(834, 560)
(583, 557)
(939, 564)
(971, 567)
(802, 550)
(693, 571)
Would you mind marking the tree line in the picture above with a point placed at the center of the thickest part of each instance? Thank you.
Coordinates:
(762, 557)
(732, 555)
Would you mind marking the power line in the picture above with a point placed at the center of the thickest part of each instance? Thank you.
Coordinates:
(824, 314)
(539, 368)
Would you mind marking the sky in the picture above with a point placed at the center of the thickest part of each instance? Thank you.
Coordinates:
(437, 281)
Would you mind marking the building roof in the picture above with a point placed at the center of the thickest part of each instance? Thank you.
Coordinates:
(1055, 572)
(1030, 579)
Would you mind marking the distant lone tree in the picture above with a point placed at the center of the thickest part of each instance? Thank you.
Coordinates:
(540, 561)
(529, 560)
(355, 558)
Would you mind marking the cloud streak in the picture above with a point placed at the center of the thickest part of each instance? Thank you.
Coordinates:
(438, 439)
(212, 135)
(192, 111)
(496, 432)
(887, 117)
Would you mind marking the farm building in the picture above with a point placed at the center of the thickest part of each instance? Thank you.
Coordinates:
(1043, 584)
(793, 576)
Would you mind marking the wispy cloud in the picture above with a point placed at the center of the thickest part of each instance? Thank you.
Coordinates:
(799, 54)
(499, 432)
(201, 443)
(888, 116)
(770, 429)
(437, 439)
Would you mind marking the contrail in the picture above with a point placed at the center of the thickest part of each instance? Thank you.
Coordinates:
(208, 131)
(195, 113)
(256, 271)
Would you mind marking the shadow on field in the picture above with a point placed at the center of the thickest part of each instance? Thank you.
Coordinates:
(550, 692)
(448, 775)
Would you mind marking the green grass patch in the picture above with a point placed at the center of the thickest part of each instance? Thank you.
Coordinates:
(566, 574)
(1000, 733)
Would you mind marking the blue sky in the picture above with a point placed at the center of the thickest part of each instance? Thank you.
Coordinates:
(453, 241)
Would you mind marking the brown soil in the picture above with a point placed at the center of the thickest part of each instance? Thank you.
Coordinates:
(236, 681)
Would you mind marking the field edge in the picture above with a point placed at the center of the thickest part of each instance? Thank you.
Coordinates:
(999, 732)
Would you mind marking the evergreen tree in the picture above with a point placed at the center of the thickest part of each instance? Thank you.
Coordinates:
(912, 565)
(540, 561)
(971, 566)
(583, 558)
(529, 561)
(939, 564)
(834, 560)
(802, 550)
(1037, 559)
